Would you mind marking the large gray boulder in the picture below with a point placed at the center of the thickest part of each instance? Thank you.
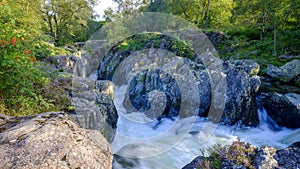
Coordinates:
(94, 107)
(241, 88)
(284, 109)
(191, 84)
(51, 140)
(285, 73)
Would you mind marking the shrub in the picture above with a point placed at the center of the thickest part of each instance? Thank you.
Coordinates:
(23, 85)
(238, 154)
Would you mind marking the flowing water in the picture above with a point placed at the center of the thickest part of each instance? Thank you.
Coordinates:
(142, 143)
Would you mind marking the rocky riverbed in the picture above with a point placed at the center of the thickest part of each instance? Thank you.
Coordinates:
(80, 138)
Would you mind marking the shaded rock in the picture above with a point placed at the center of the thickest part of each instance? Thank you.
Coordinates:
(168, 76)
(284, 109)
(285, 73)
(271, 85)
(248, 66)
(220, 41)
(122, 50)
(106, 87)
(287, 56)
(241, 90)
(190, 86)
(93, 109)
(195, 163)
(65, 63)
(289, 157)
(51, 140)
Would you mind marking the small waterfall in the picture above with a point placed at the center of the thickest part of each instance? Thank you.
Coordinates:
(93, 76)
(265, 121)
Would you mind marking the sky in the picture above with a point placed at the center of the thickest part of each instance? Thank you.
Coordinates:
(104, 4)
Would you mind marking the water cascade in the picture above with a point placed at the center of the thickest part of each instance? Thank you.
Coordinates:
(134, 150)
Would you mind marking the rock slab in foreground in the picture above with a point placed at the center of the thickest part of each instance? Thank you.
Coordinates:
(51, 140)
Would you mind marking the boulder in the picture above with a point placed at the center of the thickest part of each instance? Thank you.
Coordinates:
(65, 63)
(162, 63)
(289, 157)
(242, 86)
(94, 107)
(51, 140)
(242, 155)
(265, 158)
(284, 109)
(285, 73)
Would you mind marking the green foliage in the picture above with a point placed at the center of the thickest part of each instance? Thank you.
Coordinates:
(242, 154)
(289, 42)
(239, 153)
(249, 33)
(67, 20)
(140, 41)
(204, 13)
(217, 153)
(23, 85)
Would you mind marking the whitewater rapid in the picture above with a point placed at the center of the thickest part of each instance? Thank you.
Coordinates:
(142, 143)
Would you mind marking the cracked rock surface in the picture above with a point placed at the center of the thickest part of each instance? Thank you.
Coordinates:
(51, 140)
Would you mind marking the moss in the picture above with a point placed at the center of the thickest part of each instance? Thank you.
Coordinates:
(21, 137)
(141, 79)
(41, 121)
(156, 40)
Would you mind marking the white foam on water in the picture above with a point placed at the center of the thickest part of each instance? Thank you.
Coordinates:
(182, 139)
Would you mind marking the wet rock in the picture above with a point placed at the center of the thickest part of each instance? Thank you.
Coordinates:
(286, 73)
(284, 109)
(195, 163)
(51, 140)
(94, 107)
(190, 86)
(241, 90)
(289, 157)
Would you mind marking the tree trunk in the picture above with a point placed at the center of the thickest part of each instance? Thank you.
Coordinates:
(206, 17)
(275, 53)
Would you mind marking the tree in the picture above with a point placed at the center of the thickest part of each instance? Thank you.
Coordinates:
(162, 6)
(66, 17)
(26, 13)
(267, 15)
(125, 7)
(203, 13)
